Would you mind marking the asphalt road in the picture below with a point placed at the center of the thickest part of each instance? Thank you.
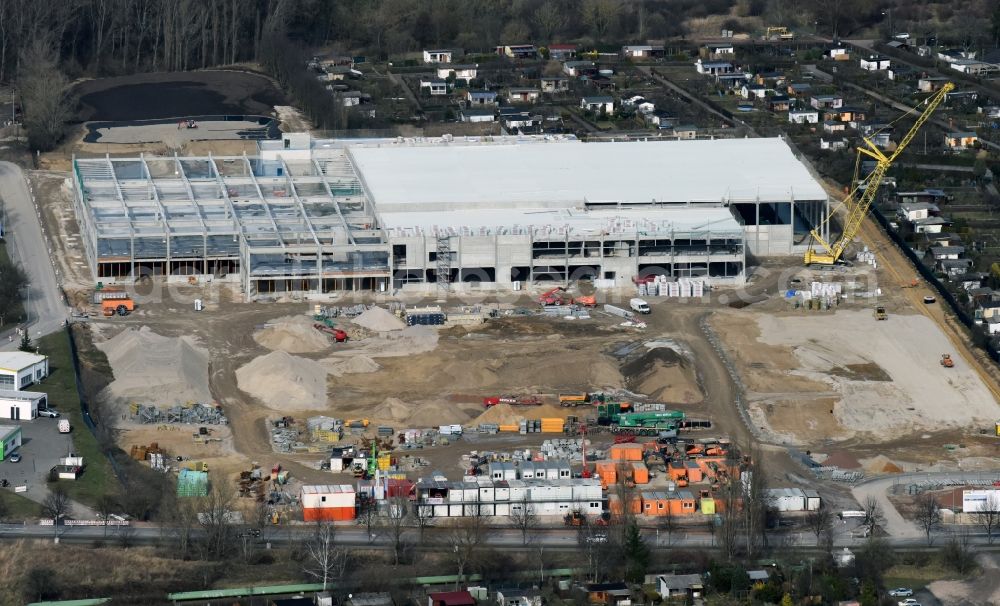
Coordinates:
(27, 246)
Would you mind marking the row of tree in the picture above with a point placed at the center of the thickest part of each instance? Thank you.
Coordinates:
(101, 37)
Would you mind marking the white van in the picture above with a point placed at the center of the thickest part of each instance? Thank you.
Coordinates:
(639, 306)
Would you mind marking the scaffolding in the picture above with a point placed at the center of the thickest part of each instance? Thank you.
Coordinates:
(443, 257)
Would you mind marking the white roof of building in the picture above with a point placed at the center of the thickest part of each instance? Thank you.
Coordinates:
(23, 396)
(563, 173)
(16, 361)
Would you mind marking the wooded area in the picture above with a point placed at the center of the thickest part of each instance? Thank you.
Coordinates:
(109, 37)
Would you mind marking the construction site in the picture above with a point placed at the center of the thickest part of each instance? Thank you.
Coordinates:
(302, 319)
(313, 217)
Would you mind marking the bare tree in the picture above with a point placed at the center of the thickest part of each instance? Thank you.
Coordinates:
(988, 515)
(394, 517)
(126, 535)
(524, 519)
(423, 514)
(44, 95)
(667, 526)
(874, 516)
(819, 521)
(215, 516)
(549, 19)
(56, 506)
(928, 515)
(595, 544)
(368, 517)
(324, 561)
(957, 552)
(106, 505)
(463, 539)
(755, 506)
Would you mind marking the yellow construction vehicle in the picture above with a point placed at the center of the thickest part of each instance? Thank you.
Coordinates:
(880, 313)
(779, 32)
(829, 253)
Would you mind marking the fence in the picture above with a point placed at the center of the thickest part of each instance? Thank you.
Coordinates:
(928, 274)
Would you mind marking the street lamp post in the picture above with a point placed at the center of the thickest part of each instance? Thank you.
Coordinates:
(888, 13)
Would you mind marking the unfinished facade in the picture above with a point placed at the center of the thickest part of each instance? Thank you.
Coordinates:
(307, 216)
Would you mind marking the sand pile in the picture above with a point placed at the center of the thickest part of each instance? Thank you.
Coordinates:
(501, 414)
(392, 410)
(285, 382)
(406, 342)
(353, 365)
(379, 320)
(551, 411)
(881, 464)
(150, 368)
(292, 334)
(437, 412)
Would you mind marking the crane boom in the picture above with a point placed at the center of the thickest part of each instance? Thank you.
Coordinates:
(831, 253)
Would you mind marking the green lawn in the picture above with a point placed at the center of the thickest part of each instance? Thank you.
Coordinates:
(16, 508)
(14, 313)
(60, 385)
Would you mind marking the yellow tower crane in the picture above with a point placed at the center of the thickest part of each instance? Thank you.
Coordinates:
(822, 252)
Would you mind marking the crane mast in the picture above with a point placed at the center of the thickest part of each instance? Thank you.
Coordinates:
(822, 252)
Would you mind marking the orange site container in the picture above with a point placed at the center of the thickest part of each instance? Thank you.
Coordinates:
(327, 514)
(640, 473)
(626, 452)
(694, 473)
(608, 471)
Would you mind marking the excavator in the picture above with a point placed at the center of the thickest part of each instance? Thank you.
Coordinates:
(824, 254)
(558, 296)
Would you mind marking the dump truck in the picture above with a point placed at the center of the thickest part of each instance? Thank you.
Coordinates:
(880, 313)
(573, 399)
(946, 361)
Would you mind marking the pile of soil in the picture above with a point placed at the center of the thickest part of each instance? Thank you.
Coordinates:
(153, 369)
(662, 374)
(285, 382)
(377, 319)
(842, 460)
(501, 414)
(409, 341)
(292, 334)
(882, 464)
(353, 365)
(392, 410)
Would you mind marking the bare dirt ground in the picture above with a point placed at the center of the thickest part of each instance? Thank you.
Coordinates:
(831, 376)
(980, 590)
(441, 384)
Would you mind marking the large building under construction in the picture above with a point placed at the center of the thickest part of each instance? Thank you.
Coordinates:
(314, 216)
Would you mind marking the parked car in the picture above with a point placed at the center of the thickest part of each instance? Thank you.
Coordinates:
(908, 602)
(48, 412)
(598, 538)
(15, 457)
(900, 592)
(929, 299)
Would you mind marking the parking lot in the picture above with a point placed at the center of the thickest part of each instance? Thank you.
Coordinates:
(41, 448)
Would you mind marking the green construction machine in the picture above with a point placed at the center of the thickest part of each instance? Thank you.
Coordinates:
(621, 419)
(649, 423)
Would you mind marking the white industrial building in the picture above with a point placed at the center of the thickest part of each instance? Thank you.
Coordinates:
(20, 369)
(486, 497)
(793, 499)
(984, 499)
(312, 216)
(21, 405)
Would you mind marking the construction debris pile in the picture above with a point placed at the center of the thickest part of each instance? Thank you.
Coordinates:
(189, 414)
